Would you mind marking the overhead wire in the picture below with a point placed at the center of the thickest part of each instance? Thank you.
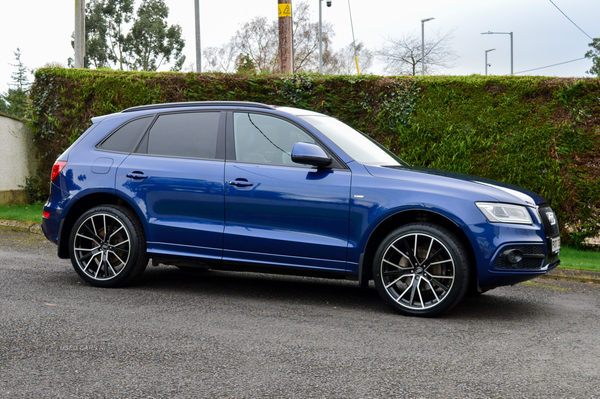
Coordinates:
(570, 19)
(561, 63)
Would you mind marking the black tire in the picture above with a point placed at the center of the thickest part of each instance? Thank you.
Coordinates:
(433, 281)
(107, 246)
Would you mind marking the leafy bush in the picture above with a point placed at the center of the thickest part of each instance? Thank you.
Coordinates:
(539, 133)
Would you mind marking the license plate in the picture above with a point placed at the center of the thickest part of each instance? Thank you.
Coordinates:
(555, 244)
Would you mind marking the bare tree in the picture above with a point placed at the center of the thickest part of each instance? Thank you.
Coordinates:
(221, 59)
(306, 40)
(258, 40)
(342, 62)
(403, 56)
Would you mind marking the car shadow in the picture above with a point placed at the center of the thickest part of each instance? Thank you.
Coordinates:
(323, 292)
(260, 286)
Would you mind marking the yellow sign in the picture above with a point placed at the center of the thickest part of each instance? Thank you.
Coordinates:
(285, 10)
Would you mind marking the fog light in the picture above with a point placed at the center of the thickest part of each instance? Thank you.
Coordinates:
(513, 256)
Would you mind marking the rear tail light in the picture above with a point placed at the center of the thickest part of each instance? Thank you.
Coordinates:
(56, 169)
(45, 215)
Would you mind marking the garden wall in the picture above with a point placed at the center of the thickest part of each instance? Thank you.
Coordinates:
(17, 159)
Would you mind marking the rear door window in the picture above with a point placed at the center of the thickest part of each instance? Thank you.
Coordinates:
(184, 135)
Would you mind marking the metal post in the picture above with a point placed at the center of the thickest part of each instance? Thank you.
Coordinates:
(486, 62)
(423, 43)
(353, 39)
(198, 43)
(320, 39)
(79, 33)
(511, 53)
(511, 45)
(423, 48)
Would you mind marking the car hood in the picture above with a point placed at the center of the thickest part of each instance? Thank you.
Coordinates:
(479, 186)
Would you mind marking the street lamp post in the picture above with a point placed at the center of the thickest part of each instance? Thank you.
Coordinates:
(486, 63)
(198, 45)
(321, 36)
(511, 45)
(423, 43)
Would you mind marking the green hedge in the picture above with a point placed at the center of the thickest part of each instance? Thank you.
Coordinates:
(539, 133)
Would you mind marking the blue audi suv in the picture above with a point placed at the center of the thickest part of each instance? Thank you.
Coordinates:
(253, 187)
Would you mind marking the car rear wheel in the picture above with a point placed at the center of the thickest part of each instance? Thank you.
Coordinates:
(107, 246)
(421, 269)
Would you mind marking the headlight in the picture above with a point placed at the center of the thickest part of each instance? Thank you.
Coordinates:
(504, 213)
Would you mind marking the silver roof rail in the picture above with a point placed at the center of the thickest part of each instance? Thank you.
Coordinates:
(199, 104)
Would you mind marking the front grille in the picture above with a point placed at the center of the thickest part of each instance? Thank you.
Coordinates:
(532, 257)
(550, 230)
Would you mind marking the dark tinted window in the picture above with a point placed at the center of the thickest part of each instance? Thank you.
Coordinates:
(123, 139)
(191, 135)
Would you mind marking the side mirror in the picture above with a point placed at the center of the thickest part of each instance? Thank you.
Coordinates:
(310, 154)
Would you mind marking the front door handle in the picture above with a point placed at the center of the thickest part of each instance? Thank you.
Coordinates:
(137, 175)
(241, 183)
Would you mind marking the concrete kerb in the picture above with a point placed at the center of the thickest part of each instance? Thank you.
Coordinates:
(557, 274)
(583, 276)
(17, 225)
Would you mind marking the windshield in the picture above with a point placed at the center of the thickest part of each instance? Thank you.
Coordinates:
(357, 145)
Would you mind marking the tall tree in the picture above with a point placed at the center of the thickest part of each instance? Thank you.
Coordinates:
(403, 56)
(95, 34)
(594, 54)
(14, 102)
(117, 13)
(151, 42)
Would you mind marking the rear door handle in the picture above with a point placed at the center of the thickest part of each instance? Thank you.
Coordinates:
(241, 183)
(137, 175)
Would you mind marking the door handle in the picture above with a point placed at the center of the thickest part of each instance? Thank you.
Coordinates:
(240, 183)
(137, 175)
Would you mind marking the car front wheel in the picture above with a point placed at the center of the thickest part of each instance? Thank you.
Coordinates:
(421, 269)
(107, 246)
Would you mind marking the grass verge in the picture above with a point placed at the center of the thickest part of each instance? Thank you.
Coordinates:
(576, 259)
(23, 212)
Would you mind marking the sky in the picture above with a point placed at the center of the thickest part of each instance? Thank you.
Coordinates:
(542, 35)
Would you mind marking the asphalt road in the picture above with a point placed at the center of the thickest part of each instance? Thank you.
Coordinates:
(233, 335)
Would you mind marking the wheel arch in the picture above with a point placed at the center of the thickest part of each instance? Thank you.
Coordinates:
(79, 208)
(411, 216)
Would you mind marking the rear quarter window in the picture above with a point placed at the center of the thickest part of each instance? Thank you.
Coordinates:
(127, 136)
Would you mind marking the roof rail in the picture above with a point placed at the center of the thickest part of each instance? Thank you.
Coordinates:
(198, 104)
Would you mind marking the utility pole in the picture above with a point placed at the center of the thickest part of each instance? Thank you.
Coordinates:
(285, 36)
(198, 46)
(79, 33)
